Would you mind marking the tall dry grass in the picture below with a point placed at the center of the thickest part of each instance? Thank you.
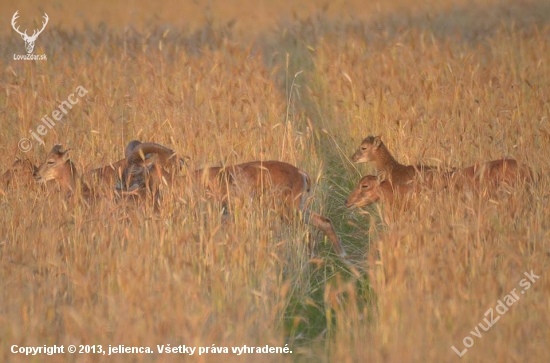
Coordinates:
(443, 83)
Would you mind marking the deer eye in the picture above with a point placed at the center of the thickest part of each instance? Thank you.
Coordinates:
(363, 148)
(365, 186)
(51, 162)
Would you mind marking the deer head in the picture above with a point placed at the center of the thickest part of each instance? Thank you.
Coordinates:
(29, 40)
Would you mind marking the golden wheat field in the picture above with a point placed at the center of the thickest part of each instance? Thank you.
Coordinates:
(446, 83)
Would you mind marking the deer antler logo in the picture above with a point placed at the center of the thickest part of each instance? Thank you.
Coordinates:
(29, 41)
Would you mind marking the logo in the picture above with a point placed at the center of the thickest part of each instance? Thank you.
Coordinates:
(29, 40)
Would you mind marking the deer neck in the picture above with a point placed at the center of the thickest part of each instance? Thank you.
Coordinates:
(387, 192)
(385, 162)
(69, 178)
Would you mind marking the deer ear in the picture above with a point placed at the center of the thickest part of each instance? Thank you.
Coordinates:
(377, 142)
(66, 155)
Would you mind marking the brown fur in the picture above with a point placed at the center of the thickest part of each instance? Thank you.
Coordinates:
(107, 174)
(283, 181)
(59, 167)
(394, 197)
(373, 150)
(492, 173)
(370, 190)
(110, 174)
(148, 163)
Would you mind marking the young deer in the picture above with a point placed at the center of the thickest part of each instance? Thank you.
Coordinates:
(284, 182)
(59, 167)
(373, 150)
(370, 190)
(492, 173)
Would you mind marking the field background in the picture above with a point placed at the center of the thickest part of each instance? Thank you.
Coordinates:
(445, 82)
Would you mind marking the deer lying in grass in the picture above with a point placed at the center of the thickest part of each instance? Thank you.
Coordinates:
(58, 166)
(284, 182)
(373, 150)
(111, 174)
(20, 173)
(145, 169)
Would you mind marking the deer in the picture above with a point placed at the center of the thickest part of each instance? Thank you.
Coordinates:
(285, 182)
(58, 166)
(371, 189)
(20, 173)
(494, 174)
(373, 150)
(145, 167)
(112, 173)
(29, 40)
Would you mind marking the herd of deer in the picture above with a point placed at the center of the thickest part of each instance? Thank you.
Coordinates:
(395, 180)
(147, 167)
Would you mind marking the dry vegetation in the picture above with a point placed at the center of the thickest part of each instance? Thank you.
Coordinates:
(444, 83)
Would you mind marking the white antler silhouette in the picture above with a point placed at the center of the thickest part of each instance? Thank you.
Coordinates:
(29, 41)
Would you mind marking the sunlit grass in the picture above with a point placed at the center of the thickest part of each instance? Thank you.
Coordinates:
(444, 84)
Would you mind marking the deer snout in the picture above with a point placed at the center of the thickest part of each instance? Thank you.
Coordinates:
(37, 177)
